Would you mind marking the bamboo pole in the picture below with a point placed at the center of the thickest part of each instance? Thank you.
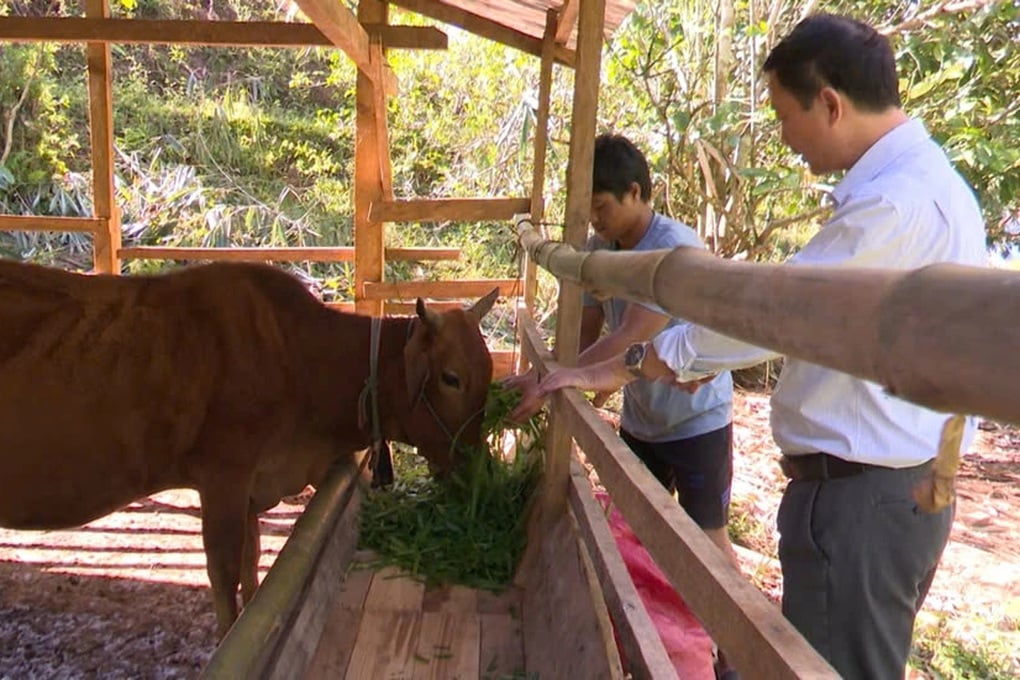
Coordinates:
(940, 336)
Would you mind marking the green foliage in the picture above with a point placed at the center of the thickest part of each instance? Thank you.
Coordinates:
(469, 529)
(939, 653)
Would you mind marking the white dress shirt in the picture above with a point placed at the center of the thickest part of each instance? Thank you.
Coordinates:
(901, 206)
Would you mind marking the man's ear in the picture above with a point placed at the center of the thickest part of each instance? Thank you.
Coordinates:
(833, 102)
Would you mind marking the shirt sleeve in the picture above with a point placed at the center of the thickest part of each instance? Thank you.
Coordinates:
(864, 232)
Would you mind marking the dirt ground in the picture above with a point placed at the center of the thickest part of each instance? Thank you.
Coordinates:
(127, 596)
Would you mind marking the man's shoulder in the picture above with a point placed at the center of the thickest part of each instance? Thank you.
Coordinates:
(667, 232)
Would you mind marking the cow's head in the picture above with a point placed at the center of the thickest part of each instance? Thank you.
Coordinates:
(448, 374)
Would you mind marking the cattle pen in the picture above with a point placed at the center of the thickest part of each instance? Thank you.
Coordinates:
(316, 614)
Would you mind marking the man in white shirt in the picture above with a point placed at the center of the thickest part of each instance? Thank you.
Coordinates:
(857, 555)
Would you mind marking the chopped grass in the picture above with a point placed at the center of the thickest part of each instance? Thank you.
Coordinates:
(470, 529)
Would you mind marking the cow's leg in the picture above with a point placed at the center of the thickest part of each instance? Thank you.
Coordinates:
(224, 524)
(250, 559)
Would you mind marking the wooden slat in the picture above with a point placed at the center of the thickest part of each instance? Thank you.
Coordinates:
(567, 20)
(756, 637)
(448, 646)
(391, 589)
(567, 633)
(369, 169)
(452, 209)
(450, 599)
(409, 37)
(47, 223)
(501, 648)
(638, 635)
(162, 31)
(386, 646)
(483, 27)
(106, 241)
(503, 363)
(343, 29)
(336, 644)
(296, 254)
(577, 216)
(408, 290)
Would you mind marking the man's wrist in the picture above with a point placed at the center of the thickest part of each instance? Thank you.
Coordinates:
(634, 358)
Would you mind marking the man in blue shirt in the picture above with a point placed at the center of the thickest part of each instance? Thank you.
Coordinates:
(684, 439)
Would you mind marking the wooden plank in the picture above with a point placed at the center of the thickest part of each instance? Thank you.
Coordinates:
(450, 599)
(336, 644)
(386, 646)
(408, 290)
(537, 208)
(577, 216)
(452, 209)
(501, 648)
(483, 27)
(507, 601)
(557, 590)
(162, 31)
(300, 640)
(640, 639)
(448, 646)
(567, 21)
(503, 362)
(392, 589)
(106, 241)
(48, 223)
(756, 637)
(409, 37)
(295, 254)
(369, 237)
(343, 29)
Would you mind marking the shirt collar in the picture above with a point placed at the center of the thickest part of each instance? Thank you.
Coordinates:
(881, 155)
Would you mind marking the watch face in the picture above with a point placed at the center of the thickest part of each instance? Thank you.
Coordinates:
(635, 354)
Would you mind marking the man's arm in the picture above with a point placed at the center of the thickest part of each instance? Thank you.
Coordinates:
(639, 324)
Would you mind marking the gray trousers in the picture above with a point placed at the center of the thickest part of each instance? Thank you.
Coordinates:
(858, 558)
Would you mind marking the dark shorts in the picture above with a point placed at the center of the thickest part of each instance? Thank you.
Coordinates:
(699, 469)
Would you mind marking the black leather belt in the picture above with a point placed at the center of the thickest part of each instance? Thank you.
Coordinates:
(816, 466)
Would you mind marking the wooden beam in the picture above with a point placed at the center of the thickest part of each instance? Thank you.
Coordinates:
(158, 31)
(567, 20)
(370, 167)
(310, 254)
(483, 27)
(638, 635)
(48, 223)
(106, 241)
(344, 30)
(575, 232)
(408, 290)
(448, 209)
(756, 637)
(409, 37)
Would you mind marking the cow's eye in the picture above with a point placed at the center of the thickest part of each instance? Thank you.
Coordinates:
(450, 379)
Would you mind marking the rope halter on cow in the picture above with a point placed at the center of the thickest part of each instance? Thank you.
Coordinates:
(380, 461)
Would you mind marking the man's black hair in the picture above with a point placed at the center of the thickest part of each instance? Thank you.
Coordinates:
(618, 164)
(843, 53)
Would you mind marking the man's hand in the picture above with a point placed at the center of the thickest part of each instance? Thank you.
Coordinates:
(530, 403)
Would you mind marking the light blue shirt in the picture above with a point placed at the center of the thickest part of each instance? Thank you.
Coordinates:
(656, 412)
(901, 206)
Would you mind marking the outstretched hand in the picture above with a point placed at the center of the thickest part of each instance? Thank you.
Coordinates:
(530, 403)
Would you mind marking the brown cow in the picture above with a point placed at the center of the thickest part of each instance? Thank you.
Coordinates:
(231, 379)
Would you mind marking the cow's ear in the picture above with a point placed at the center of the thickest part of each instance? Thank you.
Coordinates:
(482, 307)
(433, 320)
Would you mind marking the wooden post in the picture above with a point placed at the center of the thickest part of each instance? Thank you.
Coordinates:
(371, 167)
(538, 171)
(106, 241)
(591, 15)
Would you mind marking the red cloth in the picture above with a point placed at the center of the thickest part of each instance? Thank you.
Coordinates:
(686, 641)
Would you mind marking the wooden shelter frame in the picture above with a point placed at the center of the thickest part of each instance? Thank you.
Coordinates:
(277, 633)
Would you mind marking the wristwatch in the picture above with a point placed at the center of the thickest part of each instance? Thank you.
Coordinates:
(635, 357)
